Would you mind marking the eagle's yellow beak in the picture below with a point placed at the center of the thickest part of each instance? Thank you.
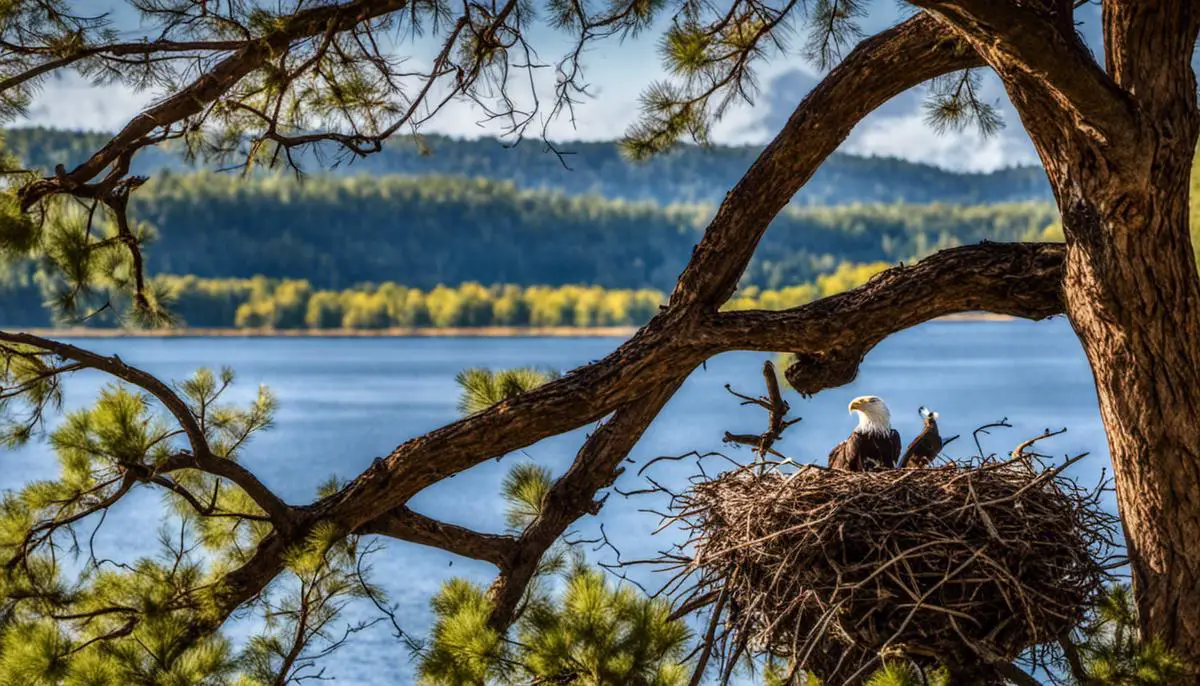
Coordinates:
(855, 404)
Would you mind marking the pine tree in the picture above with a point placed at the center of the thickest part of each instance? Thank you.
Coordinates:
(593, 633)
(1109, 649)
(284, 84)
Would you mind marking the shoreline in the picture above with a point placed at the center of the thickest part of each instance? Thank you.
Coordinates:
(422, 332)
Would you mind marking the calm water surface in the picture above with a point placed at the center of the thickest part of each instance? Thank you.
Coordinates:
(344, 402)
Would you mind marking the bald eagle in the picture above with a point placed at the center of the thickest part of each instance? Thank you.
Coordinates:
(926, 446)
(874, 444)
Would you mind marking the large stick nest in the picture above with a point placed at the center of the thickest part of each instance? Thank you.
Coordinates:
(832, 569)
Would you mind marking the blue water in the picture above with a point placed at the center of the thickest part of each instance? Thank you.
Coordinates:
(344, 402)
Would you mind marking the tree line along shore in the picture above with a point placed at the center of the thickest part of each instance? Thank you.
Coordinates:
(273, 305)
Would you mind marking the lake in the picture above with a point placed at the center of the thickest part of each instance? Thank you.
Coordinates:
(344, 402)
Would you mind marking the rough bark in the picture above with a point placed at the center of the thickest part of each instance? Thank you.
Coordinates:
(1118, 145)
(1134, 298)
(1136, 310)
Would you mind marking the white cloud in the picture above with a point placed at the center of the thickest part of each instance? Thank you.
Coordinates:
(909, 137)
(617, 74)
(69, 101)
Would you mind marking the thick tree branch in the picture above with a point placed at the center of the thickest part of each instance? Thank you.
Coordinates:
(637, 378)
(596, 466)
(1148, 49)
(1017, 279)
(406, 525)
(1050, 75)
(880, 68)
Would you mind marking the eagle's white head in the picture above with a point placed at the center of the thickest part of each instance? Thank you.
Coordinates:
(873, 414)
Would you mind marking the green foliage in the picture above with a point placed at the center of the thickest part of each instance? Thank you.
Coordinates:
(601, 633)
(19, 232)
(260, 302)
(333, 232)
(111, 626)
(594, 634)
(898, 673)
(524, 489)
(29, 387)
(833, 28)
(464, 648)
(339, 230)
(482, 388)
(955, 104)
(1114, 653)
(226, 427)
(98, 623)
(85, 263)
(213, 225)
(299, 628)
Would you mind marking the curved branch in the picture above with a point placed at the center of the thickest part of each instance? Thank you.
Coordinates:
(1051, 74)
(877, 70)
(406, 525)
(117, 50)
(572, 496)
(638, 378)
(201, 456)
(114, 366)
(214, 83)
(1016, 279)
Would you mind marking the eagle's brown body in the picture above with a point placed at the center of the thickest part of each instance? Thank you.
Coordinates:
(867, 451)
(926, 446)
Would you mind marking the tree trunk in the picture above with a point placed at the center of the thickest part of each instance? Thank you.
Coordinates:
(1133, 297)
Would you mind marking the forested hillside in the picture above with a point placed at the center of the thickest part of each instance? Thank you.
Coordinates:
(509, 230)
(688, 174)
(337, 232)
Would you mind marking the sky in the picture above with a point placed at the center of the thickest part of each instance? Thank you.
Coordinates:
(618, 72)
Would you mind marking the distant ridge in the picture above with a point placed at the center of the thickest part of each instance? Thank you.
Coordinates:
(687, 174)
